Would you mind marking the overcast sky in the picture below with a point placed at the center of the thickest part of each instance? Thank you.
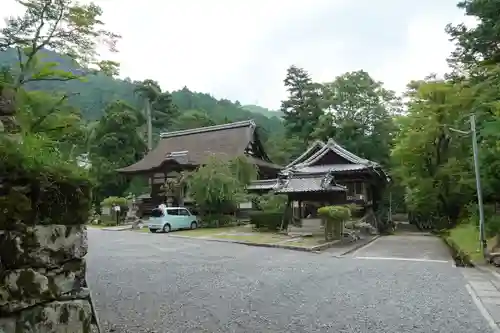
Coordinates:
(240, 49)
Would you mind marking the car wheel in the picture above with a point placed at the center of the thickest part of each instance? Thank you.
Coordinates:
(496, 261)
(194, 225)
(166, 228)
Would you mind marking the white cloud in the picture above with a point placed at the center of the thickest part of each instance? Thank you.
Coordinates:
(241, 49)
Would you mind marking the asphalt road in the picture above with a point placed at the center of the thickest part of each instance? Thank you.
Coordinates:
(155, 283)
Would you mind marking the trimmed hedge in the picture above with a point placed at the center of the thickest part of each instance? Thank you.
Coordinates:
(266, 220)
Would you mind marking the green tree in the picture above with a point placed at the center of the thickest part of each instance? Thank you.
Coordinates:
(64, 26)
(219, 185)
(284, 149)
(115, 144)
(159, 111)
(430, 160)
(302, 109)
(192, 119)
(478, 44)
(360, 115)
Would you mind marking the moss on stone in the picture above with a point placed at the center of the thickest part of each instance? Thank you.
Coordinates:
(27, 284)
(64, 316)
(14, 206)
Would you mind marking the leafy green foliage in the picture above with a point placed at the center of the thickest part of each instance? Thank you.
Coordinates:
(432, 161)
(64, 26)
(359, 115)
(272, 202)
(39, 186)
(114, 201)
(219, 185)
(192, 119)
(243, 170)
(479, 44)
(116, 144)
(334, 218)
(336, 213)
(266, 220)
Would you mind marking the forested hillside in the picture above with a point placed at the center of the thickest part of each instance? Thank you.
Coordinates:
(93, 93)
(266, 112)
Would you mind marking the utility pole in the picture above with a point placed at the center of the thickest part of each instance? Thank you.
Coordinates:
(482, 237)
(149, 124)
(475, 151)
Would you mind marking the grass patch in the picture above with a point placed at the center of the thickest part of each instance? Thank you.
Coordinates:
(465, 237)
(255, 237)
(247, 234)
(208, 232)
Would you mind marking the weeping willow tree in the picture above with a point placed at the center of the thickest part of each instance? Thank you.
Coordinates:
(219, 184)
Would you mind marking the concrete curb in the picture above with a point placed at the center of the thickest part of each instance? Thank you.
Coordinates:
(486, 268)
(359, 246)
(270, 245)
(121, 229)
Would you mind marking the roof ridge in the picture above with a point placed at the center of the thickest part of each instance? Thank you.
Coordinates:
(315, 144)
(243, 123)
(346, 153)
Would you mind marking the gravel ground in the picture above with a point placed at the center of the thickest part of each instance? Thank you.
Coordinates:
(154, 283)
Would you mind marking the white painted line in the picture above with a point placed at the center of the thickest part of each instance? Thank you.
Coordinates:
(482, 309)
(403, 259)
(365, 247)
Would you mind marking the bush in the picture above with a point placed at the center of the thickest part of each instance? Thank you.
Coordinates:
(111, 201)
(272, 202)
(216, 220)
(338, 213)
(334, 217)
(39, 187)
(266, 220)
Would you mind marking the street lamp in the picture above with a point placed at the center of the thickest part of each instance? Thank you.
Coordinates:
(482, 238)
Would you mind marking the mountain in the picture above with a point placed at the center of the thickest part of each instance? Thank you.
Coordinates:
(259, 109)
(96, 91)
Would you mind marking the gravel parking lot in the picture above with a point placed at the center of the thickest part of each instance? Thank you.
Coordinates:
(156, 283)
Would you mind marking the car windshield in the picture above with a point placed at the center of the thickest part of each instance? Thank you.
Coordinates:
(157, 212)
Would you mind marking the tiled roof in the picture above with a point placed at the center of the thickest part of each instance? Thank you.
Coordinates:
(330, 168)
(298, 183)
(193, 146)
(306, 162)
(263, 184)
(309, 183)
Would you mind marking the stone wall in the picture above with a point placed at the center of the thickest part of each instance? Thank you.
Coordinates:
(42, 287)
(43, 242)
